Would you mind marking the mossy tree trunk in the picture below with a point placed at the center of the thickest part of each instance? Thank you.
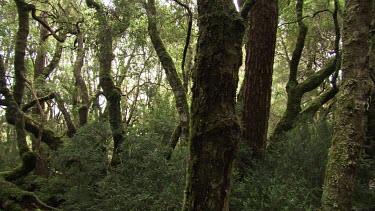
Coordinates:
(79, 80)
(215, 128)
(170, 70)
(15, 101)
(295, 89)
(260, 53)
(11, 197)
(110, 91)
(370, 144)
(350, 117)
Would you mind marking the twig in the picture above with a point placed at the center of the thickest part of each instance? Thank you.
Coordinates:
(307, 16)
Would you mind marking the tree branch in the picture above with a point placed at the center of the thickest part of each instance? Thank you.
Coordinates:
(187, 41)
(41, 21)
(247, 7)
(34, 102)
(304, 17)
(319, 102)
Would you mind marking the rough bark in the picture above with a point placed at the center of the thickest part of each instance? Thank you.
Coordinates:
(170, 70)
(370, 148)
(110, 91)
(214, 126)
(260, 55)
(350, 121)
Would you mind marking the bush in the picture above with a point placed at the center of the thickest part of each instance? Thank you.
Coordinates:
(144, 180)
(291, 175)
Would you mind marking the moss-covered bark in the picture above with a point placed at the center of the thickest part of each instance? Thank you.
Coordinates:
(258, 73)
(214, 126)
(295, 90)
(370, 148)
(80, 82)
(13, 198)
(350, 116)
(170, 70)
(110, 91)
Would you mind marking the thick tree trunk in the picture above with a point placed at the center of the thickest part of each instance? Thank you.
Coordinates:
(214, 128)
(350, 118)
(260, 55)
(370, 148)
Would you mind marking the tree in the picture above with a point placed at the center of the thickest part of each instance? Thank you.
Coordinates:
(179, 90)
(11, 196)
(214, 125)
(260, 54)
(110, 91)
(350, 116)
(295, 89)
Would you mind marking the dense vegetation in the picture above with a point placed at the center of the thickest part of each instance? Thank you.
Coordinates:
(144, 105)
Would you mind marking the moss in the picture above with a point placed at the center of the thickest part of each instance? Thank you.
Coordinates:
(11, 205)
(28, 164)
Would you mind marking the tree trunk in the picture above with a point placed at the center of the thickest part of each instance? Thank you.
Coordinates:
(170, 70)
(296, 90)
(214, 126)
(260, 55)
(350, 118)
(110, 91)
(80, 82)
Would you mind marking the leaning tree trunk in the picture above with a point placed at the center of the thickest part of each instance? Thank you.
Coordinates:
(214, 126)
(350, 118)
(175, 82)
(260, 54)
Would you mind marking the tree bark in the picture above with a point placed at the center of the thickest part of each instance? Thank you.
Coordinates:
(350, 117)
(296, 90)
(80, 82)
(260, 55)
(170, 70)
(214, 125)
(110, 91)
(370, 144)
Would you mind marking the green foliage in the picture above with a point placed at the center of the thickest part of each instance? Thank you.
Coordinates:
(144, 180)
(291, 175)
(364, 196)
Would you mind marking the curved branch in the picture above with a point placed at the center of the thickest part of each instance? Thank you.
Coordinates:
(247, 7)
(306, 16)
(41, 21)
(187, 41)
